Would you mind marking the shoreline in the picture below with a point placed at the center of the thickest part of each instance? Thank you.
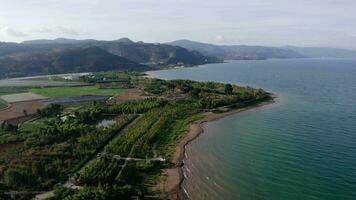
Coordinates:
(171, 186)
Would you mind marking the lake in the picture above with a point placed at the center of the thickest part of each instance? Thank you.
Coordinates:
(302, 147)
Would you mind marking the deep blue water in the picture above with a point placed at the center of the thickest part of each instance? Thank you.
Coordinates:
(302, 147)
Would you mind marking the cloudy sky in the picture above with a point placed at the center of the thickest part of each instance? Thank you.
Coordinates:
(259, 22)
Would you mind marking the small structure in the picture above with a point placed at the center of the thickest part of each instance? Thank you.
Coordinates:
(111, 101)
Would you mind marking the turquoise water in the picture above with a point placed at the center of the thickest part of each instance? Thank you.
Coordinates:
(302, 147)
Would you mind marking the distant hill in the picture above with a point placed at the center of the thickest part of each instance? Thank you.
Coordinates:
(58, 41)
(139, 52)
(63, 55)
(69, 55)
(239, 52)
(90, 59)
(317, 52)
(151, 53)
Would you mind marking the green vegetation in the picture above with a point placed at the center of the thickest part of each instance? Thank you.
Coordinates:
(54, 92)
(151, 129)
(102, 171)
(12, 90)
(52, 149)
(125, 158)
(97, 193)
(3, 104)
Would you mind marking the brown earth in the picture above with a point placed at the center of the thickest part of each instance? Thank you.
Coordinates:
(16, 110)
(4, 147)
(132, 94)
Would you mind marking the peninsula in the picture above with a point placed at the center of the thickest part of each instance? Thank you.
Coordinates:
(107, 135)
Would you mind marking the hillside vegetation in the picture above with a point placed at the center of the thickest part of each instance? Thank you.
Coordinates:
(91, 59)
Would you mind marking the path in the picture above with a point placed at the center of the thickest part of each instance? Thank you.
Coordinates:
(70, 183)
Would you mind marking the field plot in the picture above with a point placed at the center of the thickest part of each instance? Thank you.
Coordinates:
(17, 109)
(12, 90)
(54, 92)
(28, 96)
(36, 83)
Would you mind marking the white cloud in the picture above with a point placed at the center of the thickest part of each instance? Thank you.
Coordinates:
(57, 30)
(272, 22)
(219, 38)
(12, 33)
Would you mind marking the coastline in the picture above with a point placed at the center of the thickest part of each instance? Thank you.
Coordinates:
(171, 185)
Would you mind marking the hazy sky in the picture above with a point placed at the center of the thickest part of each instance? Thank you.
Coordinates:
(260, 22)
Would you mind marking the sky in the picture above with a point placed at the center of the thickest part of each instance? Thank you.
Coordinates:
(253, 22)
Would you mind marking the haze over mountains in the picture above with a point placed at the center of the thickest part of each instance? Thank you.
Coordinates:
(69, 55)
(238, 52)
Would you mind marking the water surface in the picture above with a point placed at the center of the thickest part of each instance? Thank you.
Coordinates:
(302, 147)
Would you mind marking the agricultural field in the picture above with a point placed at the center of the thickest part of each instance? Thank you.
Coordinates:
(12, 90)
(55, 92)
(43, 81)
(18, 109)
(28, 96)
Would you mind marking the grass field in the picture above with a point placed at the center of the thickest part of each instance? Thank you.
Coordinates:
(54, 92)
(32, 127)
(12, 90)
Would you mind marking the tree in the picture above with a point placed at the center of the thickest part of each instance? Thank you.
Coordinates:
(14, 178)
(3, 126)
(194, 93)
(228, 89)
(25, 112)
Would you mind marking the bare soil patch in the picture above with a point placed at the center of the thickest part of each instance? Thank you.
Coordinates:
(4, 147)
(132, 94)
(16, 110)
(28, 96)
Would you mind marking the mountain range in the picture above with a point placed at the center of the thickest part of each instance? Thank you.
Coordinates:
(56, 61)
(70, 55)
(240, 52)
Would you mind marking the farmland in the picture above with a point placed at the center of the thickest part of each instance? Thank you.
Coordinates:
(12, 90)
(18, 109)
(27, 96)
(54, 92)
(36, 82)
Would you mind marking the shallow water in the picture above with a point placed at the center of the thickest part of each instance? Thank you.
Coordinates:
(302, 147)
(105, 123)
